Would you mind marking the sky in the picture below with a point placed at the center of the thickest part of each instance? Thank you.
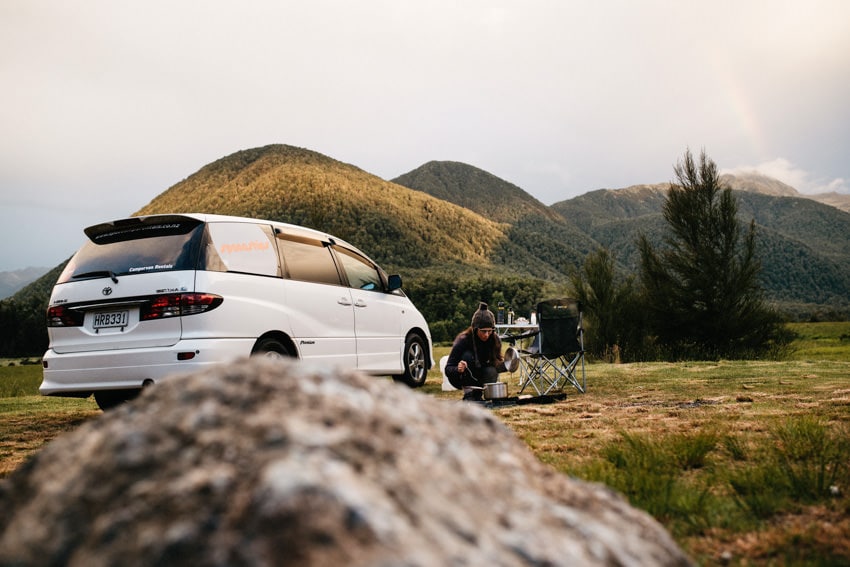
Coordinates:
(104, 105)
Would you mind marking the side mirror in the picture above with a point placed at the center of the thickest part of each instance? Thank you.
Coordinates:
(393, 282)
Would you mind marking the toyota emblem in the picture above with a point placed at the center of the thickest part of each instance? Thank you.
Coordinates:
(106, 291)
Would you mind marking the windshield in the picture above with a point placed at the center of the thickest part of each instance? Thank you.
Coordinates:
(144, 247)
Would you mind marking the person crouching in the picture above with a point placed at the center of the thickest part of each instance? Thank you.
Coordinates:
(476, 356)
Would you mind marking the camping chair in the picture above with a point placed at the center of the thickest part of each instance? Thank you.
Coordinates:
(552, 359)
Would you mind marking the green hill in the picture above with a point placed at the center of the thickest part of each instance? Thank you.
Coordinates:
(557, 243)
(476, 190)
(398, 227)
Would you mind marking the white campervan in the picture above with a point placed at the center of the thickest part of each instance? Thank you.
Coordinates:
(148, 297)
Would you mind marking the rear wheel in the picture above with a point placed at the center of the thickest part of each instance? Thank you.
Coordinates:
(108, 399)
(415, 363)
(271, 349)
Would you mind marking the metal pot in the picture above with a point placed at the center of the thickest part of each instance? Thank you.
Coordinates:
(495, 390)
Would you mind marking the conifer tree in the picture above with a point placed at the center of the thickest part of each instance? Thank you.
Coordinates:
(702, 289)
(614, 323)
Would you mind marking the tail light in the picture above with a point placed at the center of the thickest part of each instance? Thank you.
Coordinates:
(62, 316)
(178, 305)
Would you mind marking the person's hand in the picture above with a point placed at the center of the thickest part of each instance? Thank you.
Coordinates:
(461, 366)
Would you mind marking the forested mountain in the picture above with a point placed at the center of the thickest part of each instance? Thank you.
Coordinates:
(476, 190)
(534, 227)
(459, 234)
(758, 183)
(11, 282)
(283, 183)
(23, 328)
(837, 200)
(804, 246)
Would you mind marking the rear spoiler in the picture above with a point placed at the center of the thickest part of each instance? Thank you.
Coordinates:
(141, 227)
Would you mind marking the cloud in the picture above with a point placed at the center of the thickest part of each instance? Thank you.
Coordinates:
(798, 178)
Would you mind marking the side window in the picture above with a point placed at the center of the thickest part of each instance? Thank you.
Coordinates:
(307, 259)
(361, 273)
(241, 247)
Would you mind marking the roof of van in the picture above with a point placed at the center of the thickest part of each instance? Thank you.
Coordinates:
(93, 230)
(208, 217)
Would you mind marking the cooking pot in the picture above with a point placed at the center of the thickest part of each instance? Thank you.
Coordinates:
(495, 390)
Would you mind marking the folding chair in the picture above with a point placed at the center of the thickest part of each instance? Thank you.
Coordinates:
(551, 361)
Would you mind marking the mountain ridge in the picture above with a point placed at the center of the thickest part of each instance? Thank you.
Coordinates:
(790, 226)
(508, 245)
(553, 239)
(450, 181)
(803, 245)
(755, 182)
(299, 186)
(14, 280)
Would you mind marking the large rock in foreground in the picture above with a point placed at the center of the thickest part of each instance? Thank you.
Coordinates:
(268, 464)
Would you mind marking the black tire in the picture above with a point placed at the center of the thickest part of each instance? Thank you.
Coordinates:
(415, 362)
(271, 348)
(108, 399)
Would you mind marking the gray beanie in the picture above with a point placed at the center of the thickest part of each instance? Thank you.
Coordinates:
(483, 318)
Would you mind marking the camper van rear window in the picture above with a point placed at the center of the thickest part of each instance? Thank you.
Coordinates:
(132, 250)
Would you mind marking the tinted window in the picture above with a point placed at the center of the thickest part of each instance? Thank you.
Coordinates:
(307, 259)
(361, 273)
(137, 248)
(241, 247)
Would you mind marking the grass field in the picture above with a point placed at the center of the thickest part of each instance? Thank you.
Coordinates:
(745, 462)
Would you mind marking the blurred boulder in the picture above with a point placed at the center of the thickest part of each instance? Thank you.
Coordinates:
(263, 463)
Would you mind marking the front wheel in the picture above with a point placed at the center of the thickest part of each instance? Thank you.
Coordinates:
(415, 363)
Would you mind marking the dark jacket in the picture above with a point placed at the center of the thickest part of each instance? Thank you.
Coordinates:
(483, 358)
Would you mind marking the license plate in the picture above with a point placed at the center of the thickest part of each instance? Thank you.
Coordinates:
(110, 319)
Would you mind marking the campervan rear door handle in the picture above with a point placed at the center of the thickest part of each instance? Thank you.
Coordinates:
(344, 301)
